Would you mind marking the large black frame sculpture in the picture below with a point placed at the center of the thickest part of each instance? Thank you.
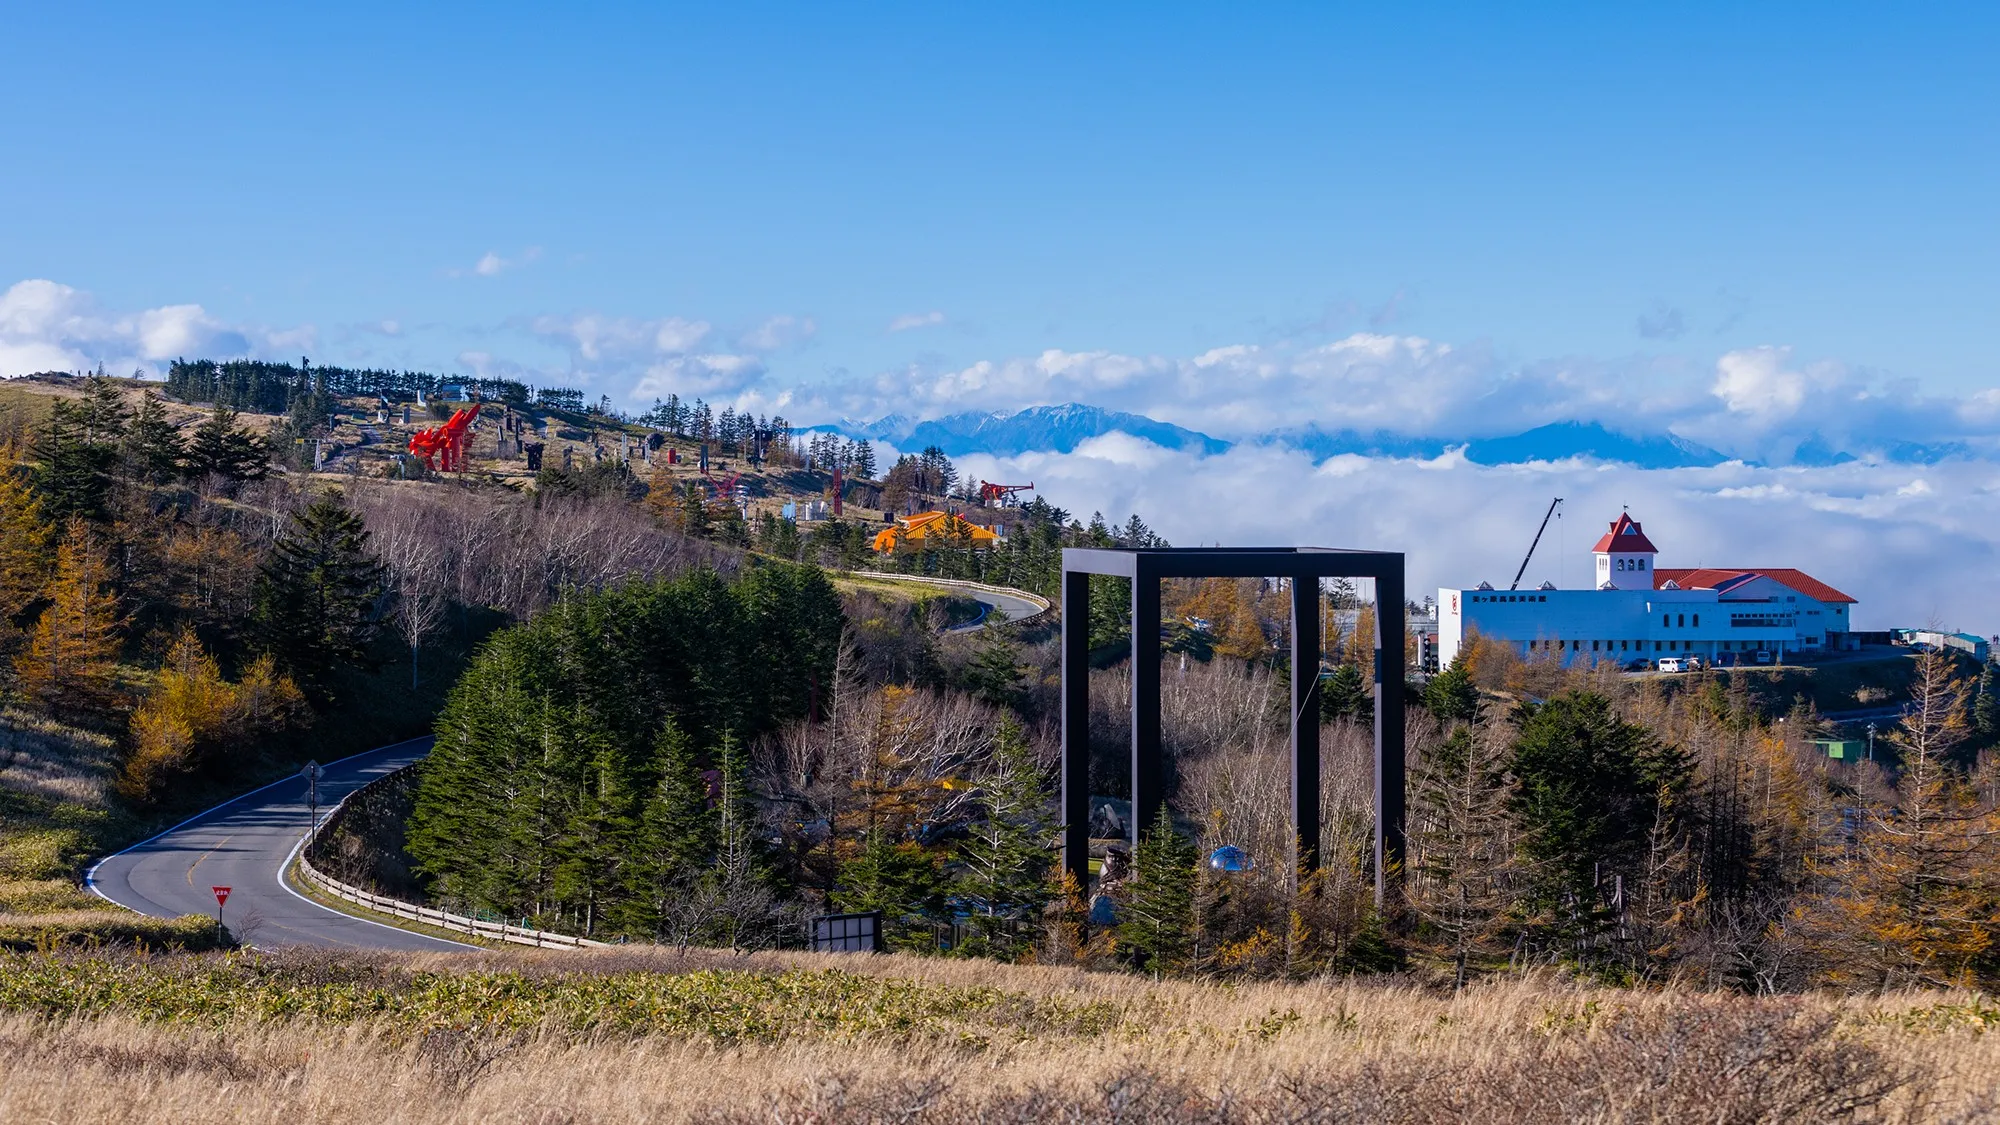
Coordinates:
(1304, 567)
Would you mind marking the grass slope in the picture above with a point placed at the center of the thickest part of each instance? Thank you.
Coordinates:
(56, 813)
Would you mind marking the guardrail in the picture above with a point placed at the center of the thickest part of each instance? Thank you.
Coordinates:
(395, 907)
(1043, 603)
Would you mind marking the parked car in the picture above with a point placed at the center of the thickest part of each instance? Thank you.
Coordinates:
(1640, 665)
(1693, 663)
(1764, 656)
(1672, 664)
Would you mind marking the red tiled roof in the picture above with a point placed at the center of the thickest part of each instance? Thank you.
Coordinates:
(1625, 535)
(1710, 578)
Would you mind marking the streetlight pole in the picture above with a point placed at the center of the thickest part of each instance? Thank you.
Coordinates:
(311, 773)
(1871, 742)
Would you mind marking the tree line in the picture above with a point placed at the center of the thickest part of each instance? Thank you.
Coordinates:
(590, 765)
(266, 387)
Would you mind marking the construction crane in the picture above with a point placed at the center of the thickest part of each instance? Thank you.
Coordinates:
(446, 441)
(990, 493)
(1553, 505)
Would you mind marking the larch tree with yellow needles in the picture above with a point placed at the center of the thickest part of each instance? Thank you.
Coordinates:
(1915, 893)
(72, 653)
(26, 540)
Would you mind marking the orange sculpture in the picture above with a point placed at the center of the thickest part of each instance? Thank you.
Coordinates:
(446, 442)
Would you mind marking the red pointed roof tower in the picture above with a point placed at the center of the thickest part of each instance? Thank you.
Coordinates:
(1625, 537)
(1625, 556)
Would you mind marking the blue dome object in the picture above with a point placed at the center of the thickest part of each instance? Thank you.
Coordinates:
(1229, 857)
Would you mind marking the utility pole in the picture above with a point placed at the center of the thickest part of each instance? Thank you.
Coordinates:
(312, 773)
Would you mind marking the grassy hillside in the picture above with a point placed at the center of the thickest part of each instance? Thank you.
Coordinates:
(651, 1036)
(56, 813)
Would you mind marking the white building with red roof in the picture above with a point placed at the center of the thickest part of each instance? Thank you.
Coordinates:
(1642, 612)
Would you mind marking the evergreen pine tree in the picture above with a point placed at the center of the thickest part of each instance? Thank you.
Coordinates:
(222, 447)
(597, 843)
(677, 833)
(1006, 855)
(479, 820)
(898, 878)
(864, 461)
(74, 476)
(316, 594)
(1451, 694)
(1156, 917)
(153, 443)
(101, 411)
(995, 674)
(1344, 695)
(694, 519)
(1589, 793)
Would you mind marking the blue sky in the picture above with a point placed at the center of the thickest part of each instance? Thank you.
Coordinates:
(1752, 225)
(1148, 180)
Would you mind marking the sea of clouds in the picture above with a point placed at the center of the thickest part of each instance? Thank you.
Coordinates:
(1913, 541)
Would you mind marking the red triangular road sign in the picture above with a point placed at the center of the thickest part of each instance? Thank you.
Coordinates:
(221, 895)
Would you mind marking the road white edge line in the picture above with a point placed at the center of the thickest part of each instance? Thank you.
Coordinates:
(90, 875)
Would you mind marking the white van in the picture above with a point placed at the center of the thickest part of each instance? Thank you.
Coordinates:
(1671, 664)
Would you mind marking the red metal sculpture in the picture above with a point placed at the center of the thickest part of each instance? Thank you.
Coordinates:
(446, 442)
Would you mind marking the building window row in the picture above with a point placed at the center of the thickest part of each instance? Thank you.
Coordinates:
(1610, 646)
(1667, 619)
(1631, 564)
(1510, 597)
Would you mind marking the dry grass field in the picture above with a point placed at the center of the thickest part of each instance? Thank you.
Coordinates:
(651, 1036)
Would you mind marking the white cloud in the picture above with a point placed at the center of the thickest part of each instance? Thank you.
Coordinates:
(491, 264)
(1903, 541)
(1759, 381)
(777, 333)
(660, 356)
(908, 321)
(48, 326)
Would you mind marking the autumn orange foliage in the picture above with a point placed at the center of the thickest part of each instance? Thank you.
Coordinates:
(193, 714)
(71, 660)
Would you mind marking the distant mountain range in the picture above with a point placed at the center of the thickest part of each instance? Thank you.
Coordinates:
(1058, 429)
(1061, 429)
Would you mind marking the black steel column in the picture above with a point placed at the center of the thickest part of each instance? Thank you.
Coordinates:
(1148, 771)
(1391, 634)
(1076, 726)
(1305, 722)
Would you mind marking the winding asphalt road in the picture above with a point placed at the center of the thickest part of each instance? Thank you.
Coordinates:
(1016, 607)
(246, 845)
